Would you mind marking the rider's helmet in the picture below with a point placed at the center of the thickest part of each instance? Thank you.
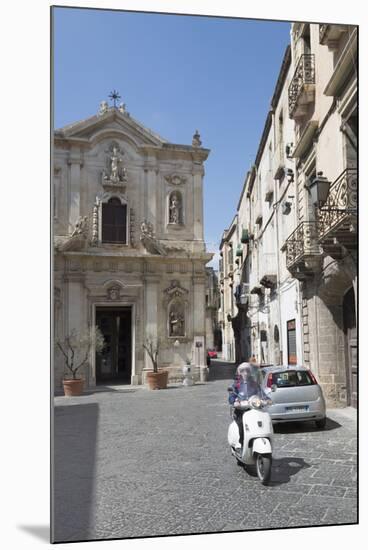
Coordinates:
(248, 373)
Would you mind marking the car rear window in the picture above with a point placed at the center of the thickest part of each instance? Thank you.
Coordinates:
(290, 378)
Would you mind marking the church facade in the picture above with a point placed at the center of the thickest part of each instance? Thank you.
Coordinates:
(130, 254)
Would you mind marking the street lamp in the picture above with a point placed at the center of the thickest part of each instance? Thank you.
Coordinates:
(319, 188)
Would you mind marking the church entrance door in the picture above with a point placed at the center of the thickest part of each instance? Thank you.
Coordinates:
(114, 364)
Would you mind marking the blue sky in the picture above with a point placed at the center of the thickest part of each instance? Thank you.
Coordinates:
(176, 74)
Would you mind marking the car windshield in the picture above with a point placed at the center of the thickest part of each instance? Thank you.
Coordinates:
(289, 378)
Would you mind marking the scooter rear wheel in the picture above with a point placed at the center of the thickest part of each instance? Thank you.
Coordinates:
(263, 467)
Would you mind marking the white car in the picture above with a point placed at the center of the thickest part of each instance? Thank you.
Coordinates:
(295, 394)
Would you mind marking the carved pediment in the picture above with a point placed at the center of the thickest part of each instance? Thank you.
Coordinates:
(113, 121)
(175, 290)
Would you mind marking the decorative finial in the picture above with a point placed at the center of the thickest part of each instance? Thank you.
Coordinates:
(115, 96)
(196, 142)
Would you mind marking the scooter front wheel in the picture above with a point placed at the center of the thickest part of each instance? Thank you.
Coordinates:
(263, 467)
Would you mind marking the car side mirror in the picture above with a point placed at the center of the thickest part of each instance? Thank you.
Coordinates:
(273, 387)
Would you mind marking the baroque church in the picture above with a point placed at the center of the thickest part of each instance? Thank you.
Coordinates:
(130, 255)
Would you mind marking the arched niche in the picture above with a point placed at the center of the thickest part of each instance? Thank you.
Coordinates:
(176, 323)
(175, 208)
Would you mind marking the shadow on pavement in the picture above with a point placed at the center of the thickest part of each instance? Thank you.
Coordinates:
(309, 426)
(284, 468)
(73, 466)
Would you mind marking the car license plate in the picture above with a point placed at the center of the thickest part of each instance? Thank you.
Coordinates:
(297, 409)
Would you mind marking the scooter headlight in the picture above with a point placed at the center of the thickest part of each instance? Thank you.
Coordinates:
(255, 402)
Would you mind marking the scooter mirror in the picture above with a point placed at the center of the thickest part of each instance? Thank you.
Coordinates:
(273, 387)
(230, 389)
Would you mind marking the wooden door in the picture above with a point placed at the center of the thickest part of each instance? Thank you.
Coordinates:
(351, 348)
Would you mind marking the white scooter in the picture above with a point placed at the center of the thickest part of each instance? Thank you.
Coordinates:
(258, 433)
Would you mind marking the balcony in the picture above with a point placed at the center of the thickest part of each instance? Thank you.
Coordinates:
(329, 35)
(302, 87)
(267, 270)
(337, 218)
(303, 251)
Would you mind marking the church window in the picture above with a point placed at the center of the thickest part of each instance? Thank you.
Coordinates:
(114, 221)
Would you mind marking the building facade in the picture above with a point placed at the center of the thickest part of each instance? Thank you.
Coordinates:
(213, 333)
(130, 255)
(296, 220)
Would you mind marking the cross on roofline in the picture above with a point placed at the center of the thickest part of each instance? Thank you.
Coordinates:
(115, 96)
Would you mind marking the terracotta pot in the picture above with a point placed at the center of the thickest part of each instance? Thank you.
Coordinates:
(73, 387)
(157, 380)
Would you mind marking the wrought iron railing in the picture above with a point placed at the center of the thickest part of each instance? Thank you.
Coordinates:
(304, 74)
(302, 243)
(340, 207)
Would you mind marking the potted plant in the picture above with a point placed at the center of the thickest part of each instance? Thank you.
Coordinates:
(157, 378)
(75, 349)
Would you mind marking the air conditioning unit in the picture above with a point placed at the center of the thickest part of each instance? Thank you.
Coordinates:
(289, 149)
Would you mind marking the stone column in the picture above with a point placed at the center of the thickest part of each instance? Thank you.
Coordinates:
(151, 197)
(199, 318)
(150, 328)
(74, 207)
(198, 173)
(76, 310)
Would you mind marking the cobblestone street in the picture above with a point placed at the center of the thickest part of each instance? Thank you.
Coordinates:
(133, 463)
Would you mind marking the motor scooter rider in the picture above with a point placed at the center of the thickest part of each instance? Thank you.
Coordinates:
(246, 384)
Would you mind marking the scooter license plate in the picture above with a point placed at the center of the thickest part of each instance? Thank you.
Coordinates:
(297, 409)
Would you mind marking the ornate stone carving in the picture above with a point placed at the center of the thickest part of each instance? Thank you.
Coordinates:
(175, 290)
(78, 237)
(132, 227)
(113, 293)
(116, 173)
(175, 179)
(94, 240)
(149, 241)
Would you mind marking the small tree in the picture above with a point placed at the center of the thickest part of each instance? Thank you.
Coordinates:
(152, 347)
(77, 345)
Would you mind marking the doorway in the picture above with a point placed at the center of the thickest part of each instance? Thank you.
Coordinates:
(351, 348)
(114, 364)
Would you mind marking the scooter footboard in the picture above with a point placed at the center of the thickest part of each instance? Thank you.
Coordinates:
(262, 445)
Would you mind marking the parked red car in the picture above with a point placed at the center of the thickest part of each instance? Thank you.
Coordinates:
(212, 353)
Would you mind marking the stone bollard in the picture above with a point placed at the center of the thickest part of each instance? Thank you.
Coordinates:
(203, 374)
(188, 378)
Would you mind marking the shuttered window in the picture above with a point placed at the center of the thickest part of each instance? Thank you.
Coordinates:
(291, 342)
(114, 221)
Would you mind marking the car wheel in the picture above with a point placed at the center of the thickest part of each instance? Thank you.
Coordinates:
(321, 424)
(263, 467)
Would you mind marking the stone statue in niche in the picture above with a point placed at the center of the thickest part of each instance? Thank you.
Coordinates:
(117, 171)
(174, 209)
(176, 320)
